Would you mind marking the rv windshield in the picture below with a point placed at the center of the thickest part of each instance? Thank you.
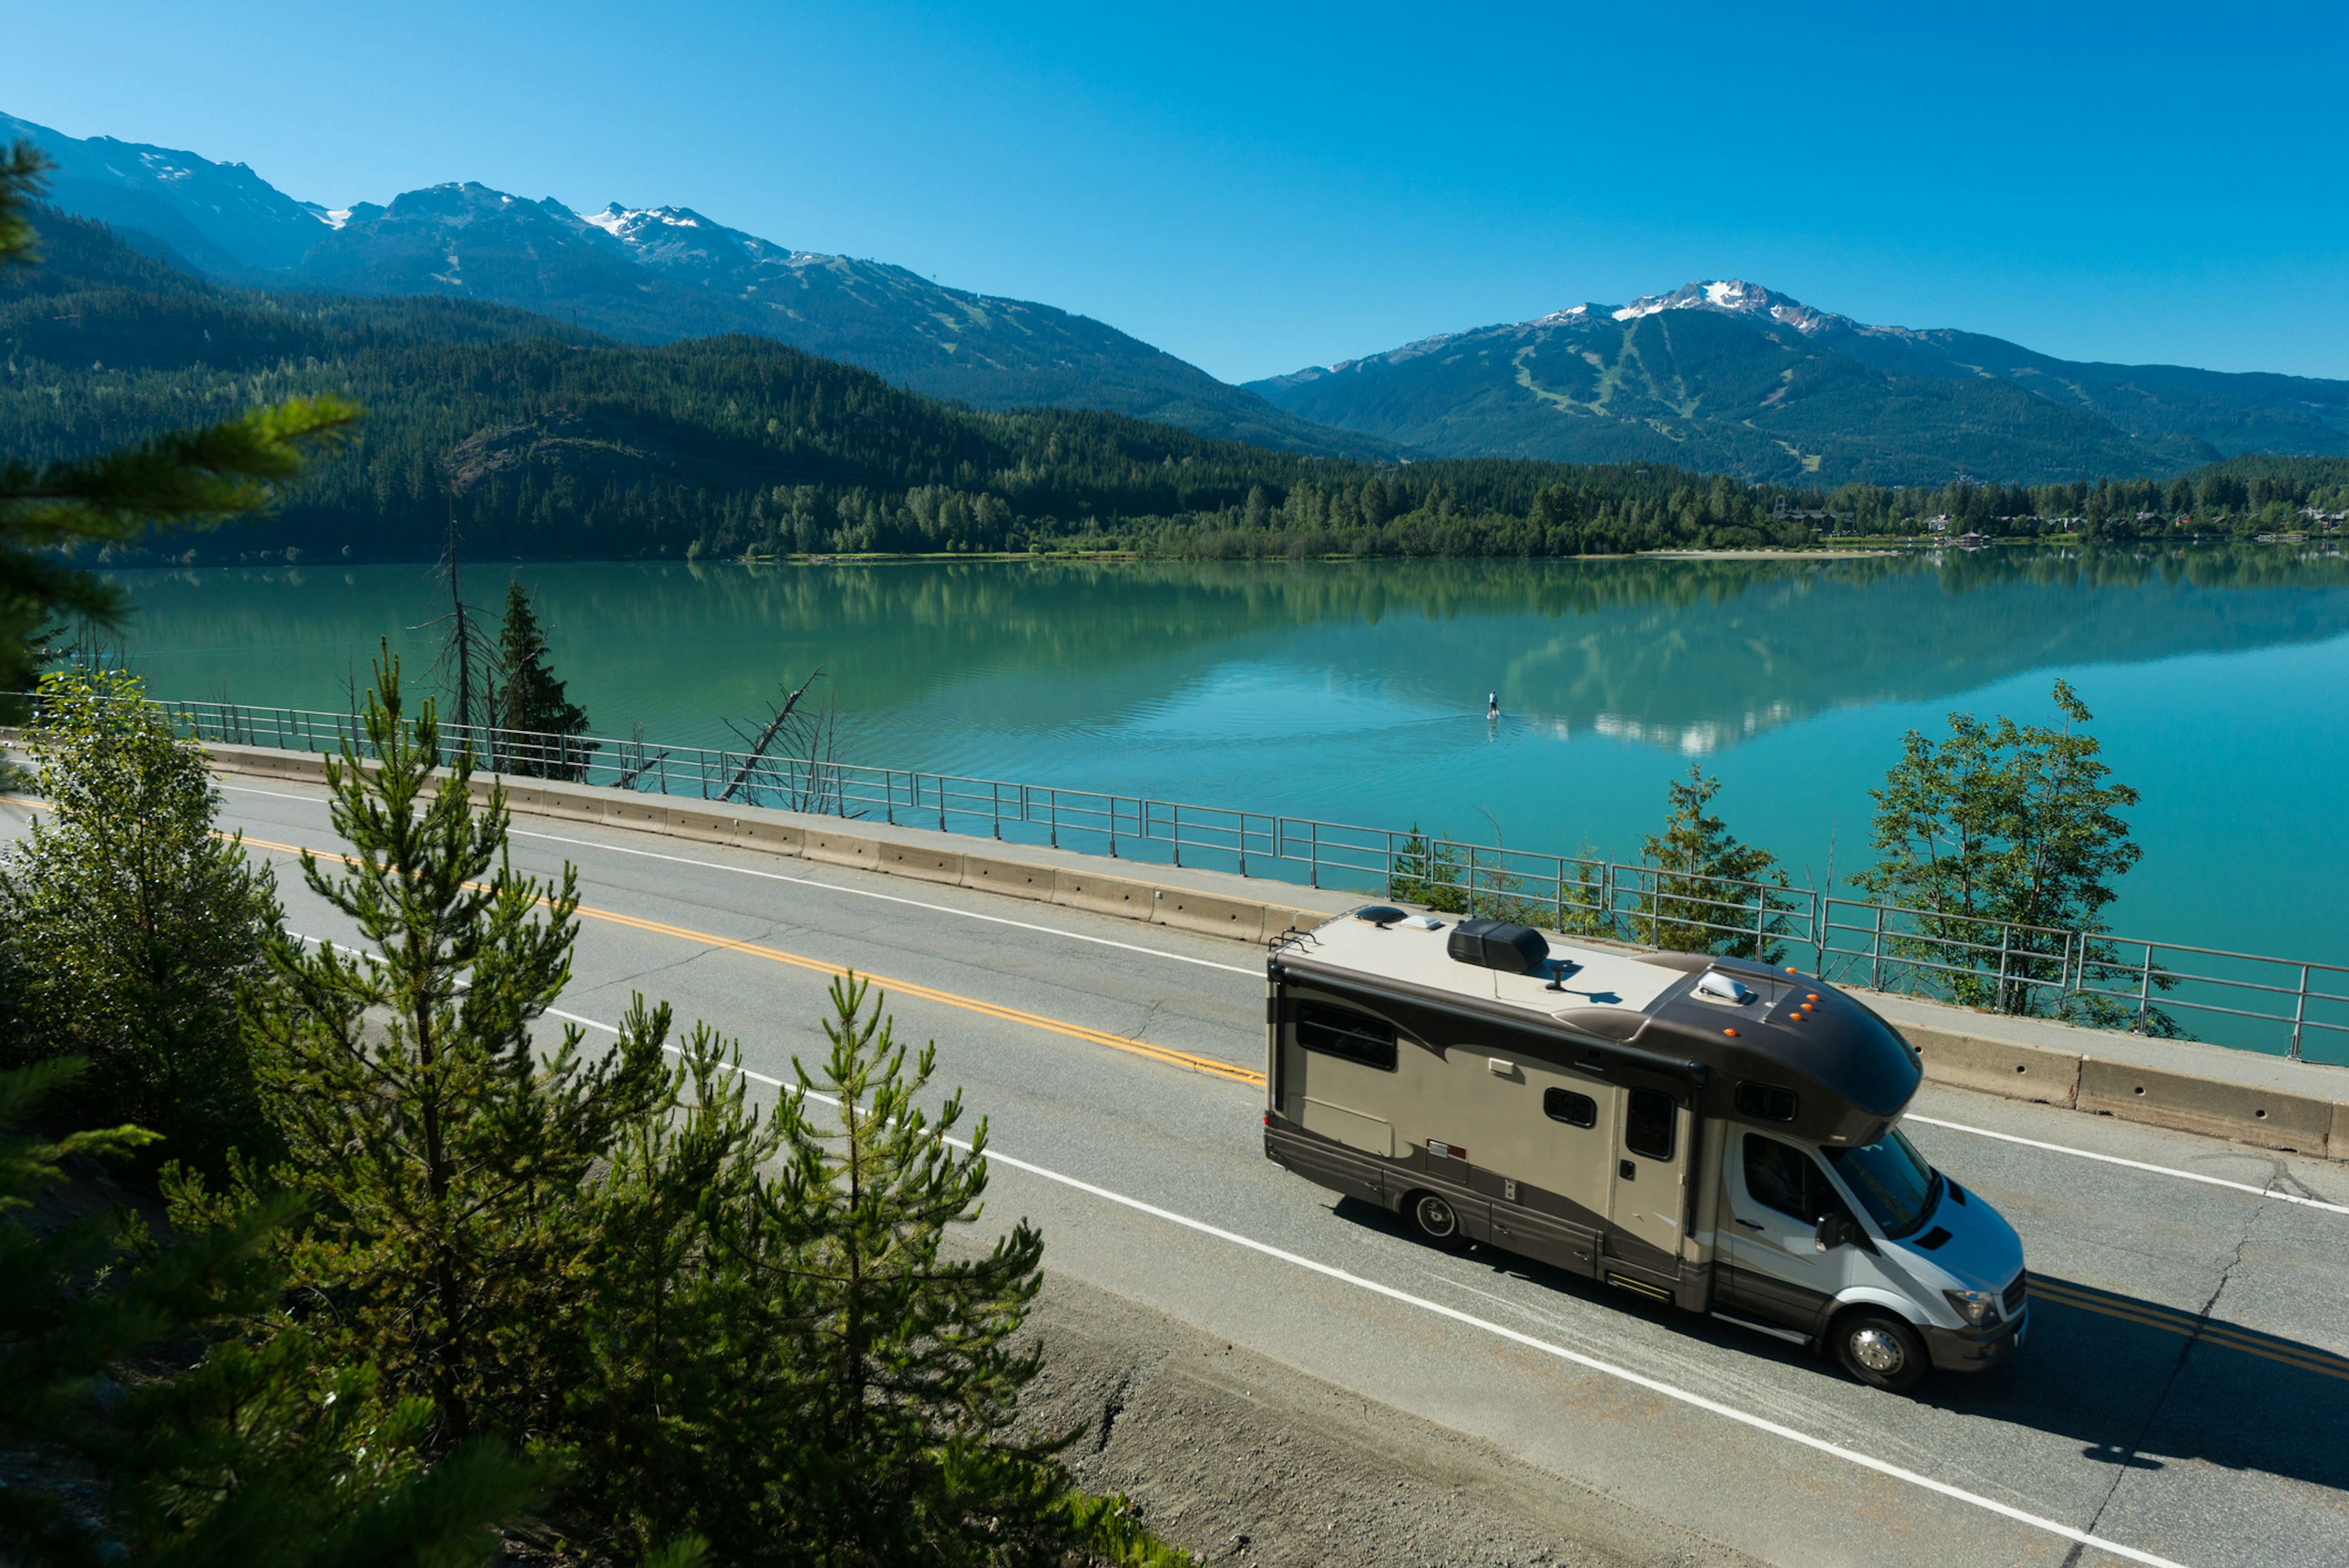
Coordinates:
(1892, 1179)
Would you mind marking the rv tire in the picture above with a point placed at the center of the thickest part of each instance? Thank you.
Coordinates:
(1432, 1219)
(1880, 1349)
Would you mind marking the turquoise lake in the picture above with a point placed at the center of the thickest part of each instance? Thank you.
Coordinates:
(1355, 692)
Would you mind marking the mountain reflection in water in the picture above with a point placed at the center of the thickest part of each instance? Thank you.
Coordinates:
(1356, 690)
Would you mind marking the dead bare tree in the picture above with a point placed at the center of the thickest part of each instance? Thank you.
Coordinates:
(467, 657)
(635, 762)
(793, 755)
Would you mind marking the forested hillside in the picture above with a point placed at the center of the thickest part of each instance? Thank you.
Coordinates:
(654, 275)
(546, 441)
(1729, 376)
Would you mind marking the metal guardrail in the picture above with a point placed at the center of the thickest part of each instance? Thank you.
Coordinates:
(2252, 1001)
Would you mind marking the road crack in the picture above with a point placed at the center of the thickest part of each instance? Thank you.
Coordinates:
(2125, 1459)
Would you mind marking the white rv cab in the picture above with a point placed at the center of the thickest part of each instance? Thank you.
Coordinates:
(1712, 1132)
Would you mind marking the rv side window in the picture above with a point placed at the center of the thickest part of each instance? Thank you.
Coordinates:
(1766, 1102)
(1334, 1031)
(1648, 1125)
(1785, 1178)
(1566, 1105)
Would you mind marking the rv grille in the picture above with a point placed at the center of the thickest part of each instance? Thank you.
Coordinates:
(2016, 1293)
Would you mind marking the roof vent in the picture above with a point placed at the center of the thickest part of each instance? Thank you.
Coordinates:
(1380, 915)
(1714, 986)
(1496, 944)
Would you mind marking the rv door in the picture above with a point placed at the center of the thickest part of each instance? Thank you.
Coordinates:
(1651, 1161)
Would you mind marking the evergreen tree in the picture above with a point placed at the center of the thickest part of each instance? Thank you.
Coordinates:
(2011, 836)
(127, 924)
(444, 1148)
(1708, 891)
(259, 1456)
(187, 479)
(530, 698)
(788, 1356)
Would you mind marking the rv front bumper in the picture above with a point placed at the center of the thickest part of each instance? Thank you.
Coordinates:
(1976, 1349)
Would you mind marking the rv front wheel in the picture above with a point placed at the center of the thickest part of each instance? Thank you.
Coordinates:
(1880, 1350)
(1433, 1219)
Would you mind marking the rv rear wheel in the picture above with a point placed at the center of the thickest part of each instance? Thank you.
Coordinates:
(1879, 1350)
(1433, 1219)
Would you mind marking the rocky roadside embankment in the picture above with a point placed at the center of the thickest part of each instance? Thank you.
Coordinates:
(1242, 1460)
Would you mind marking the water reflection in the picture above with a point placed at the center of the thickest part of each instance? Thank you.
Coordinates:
(1692, 656)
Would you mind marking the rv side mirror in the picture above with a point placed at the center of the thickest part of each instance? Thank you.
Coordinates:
(1835, 1230)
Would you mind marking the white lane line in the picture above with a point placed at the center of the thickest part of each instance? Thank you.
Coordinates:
(837, 887)
(1590, 1362)
(2135, 1164)
(273, 794)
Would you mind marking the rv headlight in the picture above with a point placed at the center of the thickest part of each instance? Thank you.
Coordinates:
(1977, 1307)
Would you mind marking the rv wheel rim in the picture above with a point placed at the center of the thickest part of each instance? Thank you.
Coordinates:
(1435, 1217)
(1876, 1350)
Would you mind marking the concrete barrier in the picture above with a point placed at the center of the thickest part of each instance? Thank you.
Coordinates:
(839, 848)
(775, 838)
(2216, 1107)
(1105, 895)
(637, 811)
(2271, 1118)
(1015, 878)
(708, 826)
(1215, 917)
(922, 863)
(1998, 1067)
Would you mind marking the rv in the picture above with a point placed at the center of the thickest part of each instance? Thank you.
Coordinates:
(1718, 1134)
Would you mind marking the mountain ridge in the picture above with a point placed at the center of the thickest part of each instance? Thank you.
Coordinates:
(462, 239)
(1729, 375)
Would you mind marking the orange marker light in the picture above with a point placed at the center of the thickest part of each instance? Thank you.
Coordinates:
(1815, 996)
(1729, 1031)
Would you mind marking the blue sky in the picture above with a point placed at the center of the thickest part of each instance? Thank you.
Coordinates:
(1258, 188)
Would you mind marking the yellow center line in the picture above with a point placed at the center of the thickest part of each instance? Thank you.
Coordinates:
(2170, 1321)
(1174, 1058)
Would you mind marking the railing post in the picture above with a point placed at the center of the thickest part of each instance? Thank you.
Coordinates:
(2299, 1012)
(1112, 827)
(1175, 831)
(941, 782)
(1821, 911)
(1876, 953)
(1313, 848)
(2005, 943)
(1242, 843)
(1052, 804)
(1760, 921)
(2143, 990)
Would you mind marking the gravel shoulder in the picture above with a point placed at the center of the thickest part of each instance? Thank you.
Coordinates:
(1243, 1459)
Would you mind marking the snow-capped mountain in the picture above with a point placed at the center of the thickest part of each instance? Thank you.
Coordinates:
(1728, 376)
(1737, 297)
(653, 274)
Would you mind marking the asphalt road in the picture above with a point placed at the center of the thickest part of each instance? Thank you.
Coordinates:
(2182, 1400)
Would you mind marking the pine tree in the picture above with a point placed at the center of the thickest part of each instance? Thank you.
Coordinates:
(444, 1145)
(188, 478)
(261, 1456)
(790, 1358)
(532, 701)
(127, 924)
